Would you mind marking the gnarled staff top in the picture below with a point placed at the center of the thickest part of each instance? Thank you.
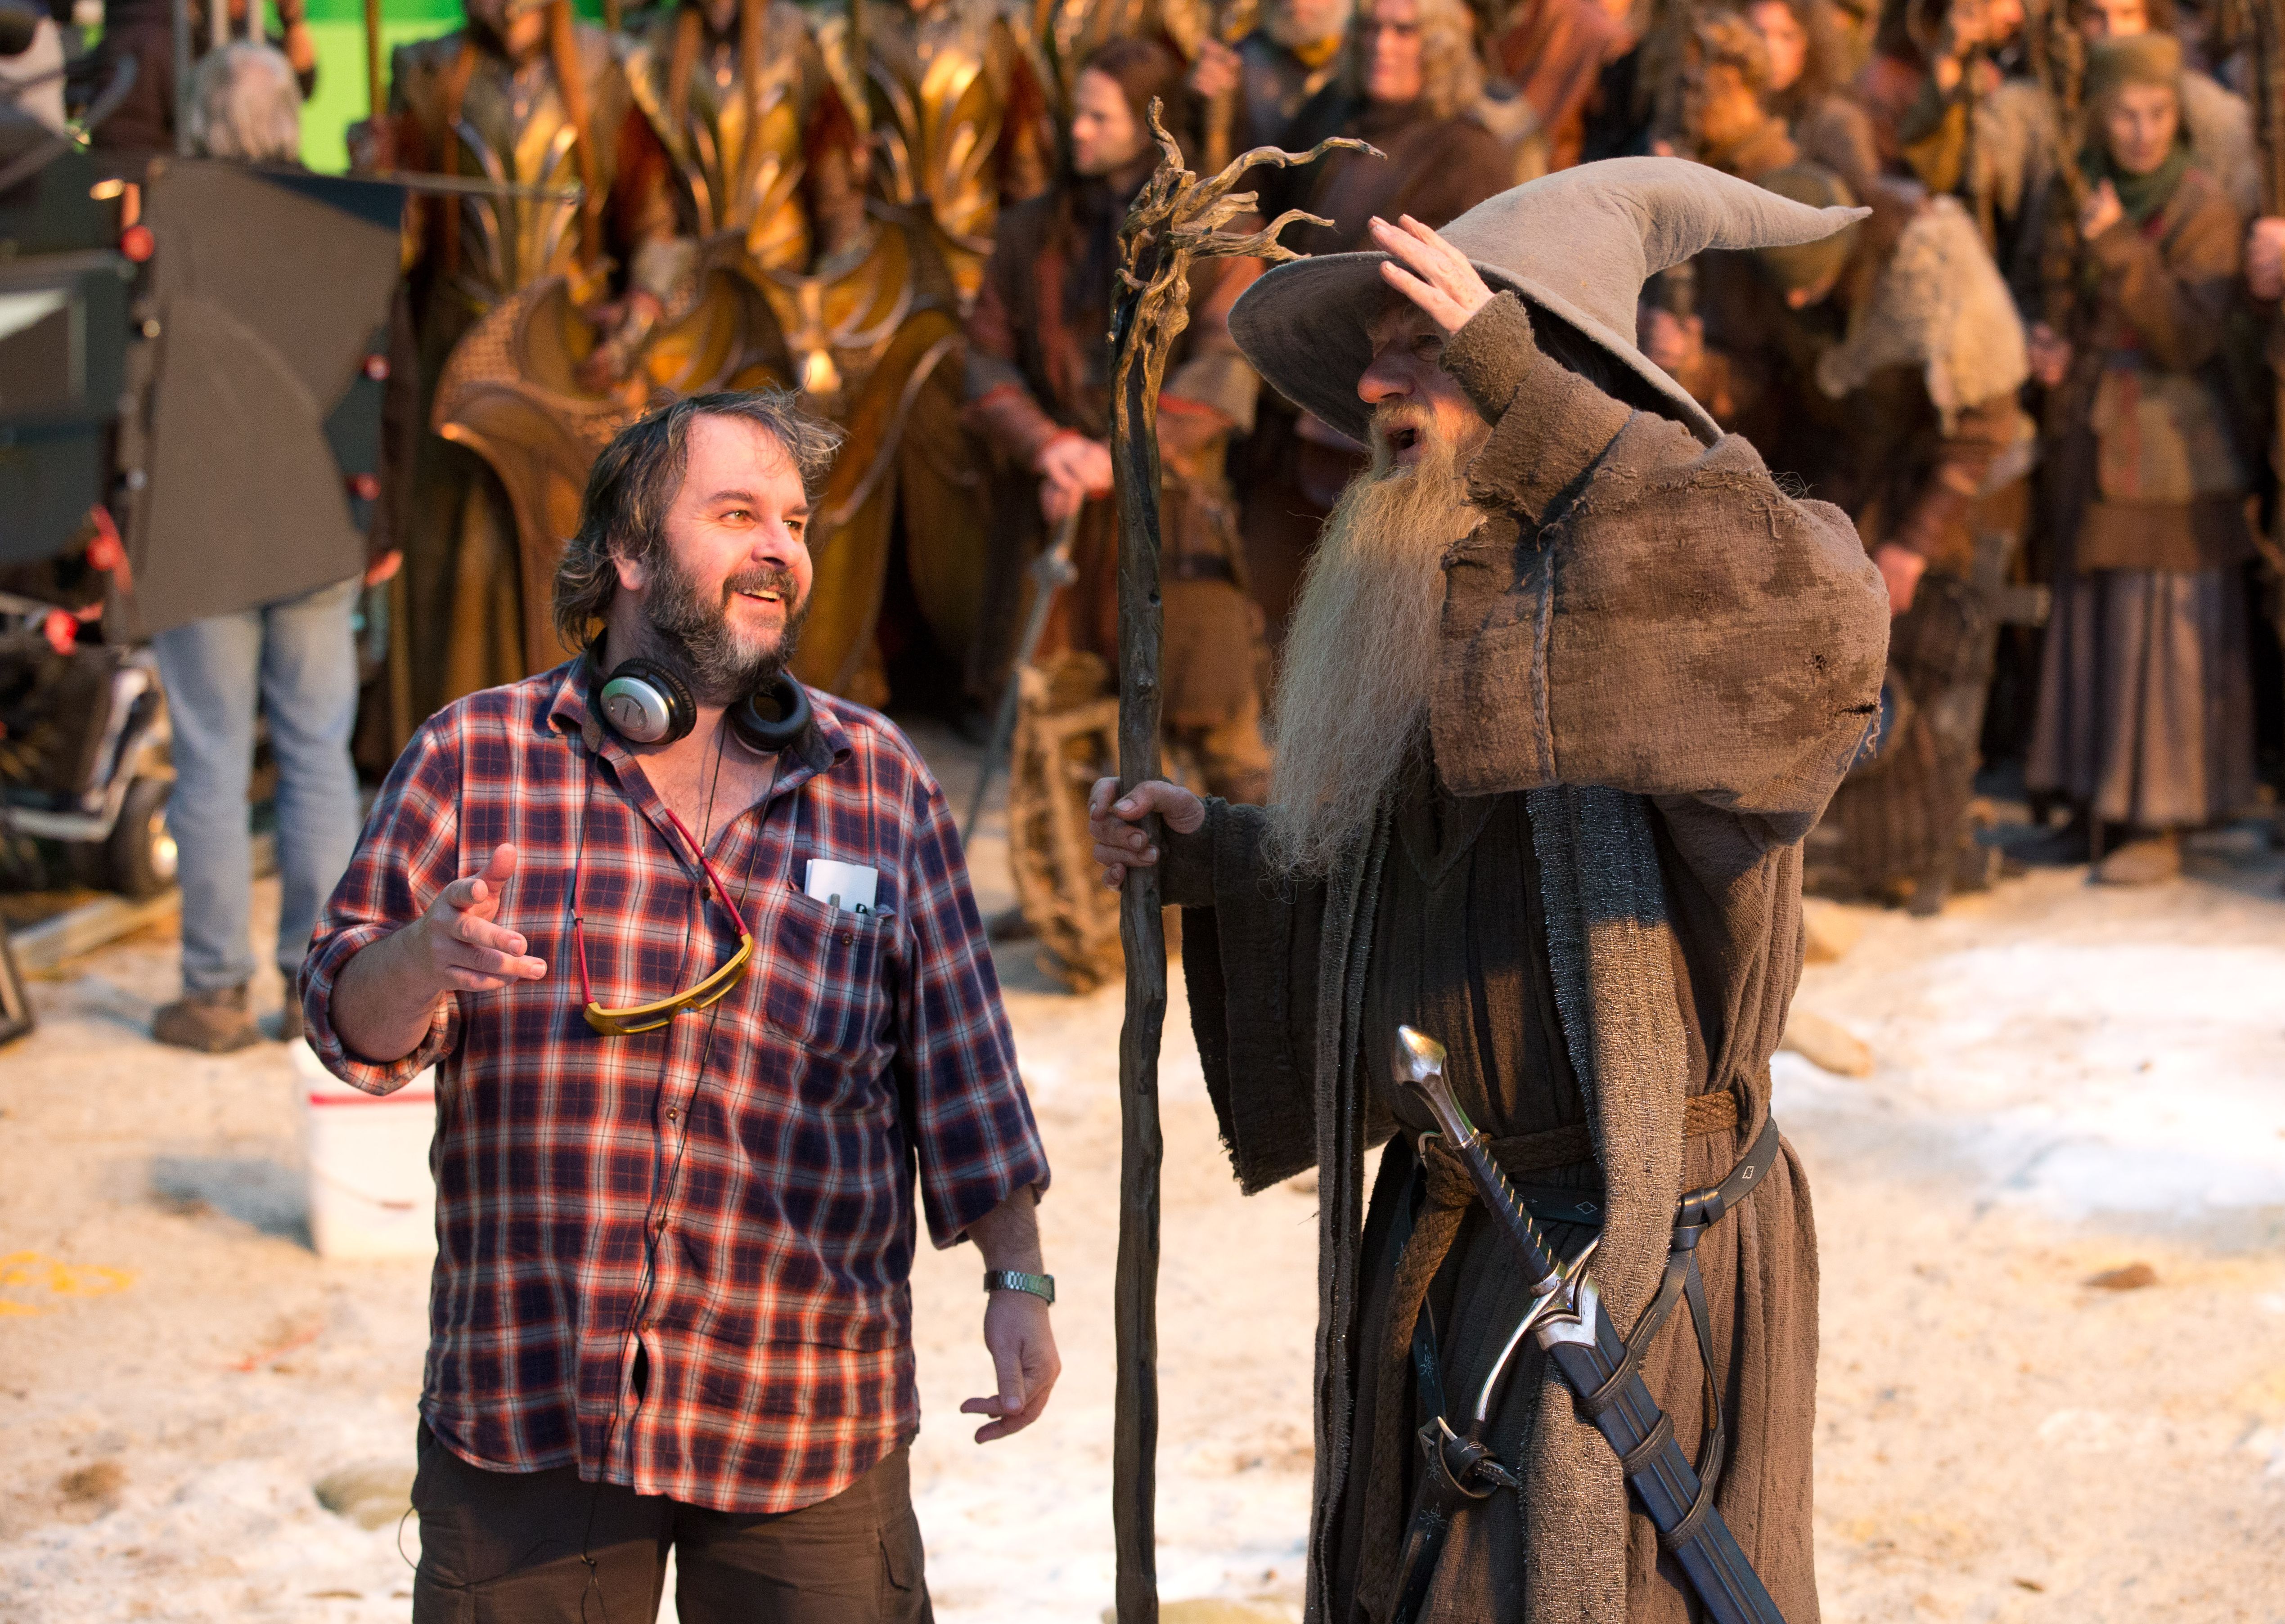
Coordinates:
(1177, 217)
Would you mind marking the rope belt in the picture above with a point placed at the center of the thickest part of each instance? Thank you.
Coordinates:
(1462, 1467)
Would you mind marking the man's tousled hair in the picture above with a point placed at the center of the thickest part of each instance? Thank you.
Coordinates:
(635, 481)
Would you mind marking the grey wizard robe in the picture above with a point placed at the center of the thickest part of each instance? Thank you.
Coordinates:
(1655, 667)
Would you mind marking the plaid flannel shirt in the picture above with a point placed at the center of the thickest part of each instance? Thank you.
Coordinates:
(764, 1147)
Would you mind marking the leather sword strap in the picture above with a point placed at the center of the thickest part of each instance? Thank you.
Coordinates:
(1458, 1469)
(1697, 1213)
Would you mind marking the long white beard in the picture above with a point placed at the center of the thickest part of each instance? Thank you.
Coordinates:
(1353, 680)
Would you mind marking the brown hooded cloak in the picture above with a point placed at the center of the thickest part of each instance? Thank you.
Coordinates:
(1655, 667)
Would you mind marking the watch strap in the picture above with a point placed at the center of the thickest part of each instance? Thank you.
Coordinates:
(1042, 1286)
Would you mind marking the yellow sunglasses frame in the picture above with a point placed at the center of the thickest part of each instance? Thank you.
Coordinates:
(634, 1018)
(649, 1017)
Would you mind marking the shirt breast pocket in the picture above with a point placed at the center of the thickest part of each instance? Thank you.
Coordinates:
(823, 985)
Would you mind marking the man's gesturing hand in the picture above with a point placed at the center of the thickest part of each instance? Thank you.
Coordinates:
(1024, 1361)
(461, 947)
(1430, 273)
(1119, 844)
(386, 1000)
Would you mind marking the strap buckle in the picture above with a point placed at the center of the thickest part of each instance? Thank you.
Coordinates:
(1458, 1465)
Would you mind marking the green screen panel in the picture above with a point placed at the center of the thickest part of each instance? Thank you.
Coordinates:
(337, 27)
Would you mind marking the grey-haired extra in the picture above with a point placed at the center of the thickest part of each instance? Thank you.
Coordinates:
(246, 104)
(635, 480)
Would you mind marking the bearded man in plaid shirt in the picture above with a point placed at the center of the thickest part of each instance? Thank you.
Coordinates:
(682, 1089)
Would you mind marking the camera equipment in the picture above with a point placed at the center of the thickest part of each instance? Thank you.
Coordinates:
(19, 24)
(212, 376)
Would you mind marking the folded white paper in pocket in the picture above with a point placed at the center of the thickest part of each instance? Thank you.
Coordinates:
(845, 885)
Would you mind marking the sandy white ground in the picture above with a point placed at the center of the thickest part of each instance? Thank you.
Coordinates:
(2070, 1080)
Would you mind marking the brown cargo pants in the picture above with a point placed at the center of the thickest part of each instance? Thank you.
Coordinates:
(504, 1547)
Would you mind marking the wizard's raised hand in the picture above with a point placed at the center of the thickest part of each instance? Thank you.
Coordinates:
(1430, 273)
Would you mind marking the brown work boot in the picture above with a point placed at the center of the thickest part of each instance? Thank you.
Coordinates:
(290, 1025)
(1010, 925)
(2151, 861)
(211, 1023)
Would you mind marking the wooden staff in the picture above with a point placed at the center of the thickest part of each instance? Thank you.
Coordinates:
(1175, 218)
(184, 54)
(2262, 25)
(375, 91)
(2059, 62)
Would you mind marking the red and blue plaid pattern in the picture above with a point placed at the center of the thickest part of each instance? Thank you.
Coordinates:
(765, 1146)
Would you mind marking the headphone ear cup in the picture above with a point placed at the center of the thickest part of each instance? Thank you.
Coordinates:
(645, 702)
(773, 719)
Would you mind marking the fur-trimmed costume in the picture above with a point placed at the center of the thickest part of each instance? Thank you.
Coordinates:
(1895, 397)
(1939, 308)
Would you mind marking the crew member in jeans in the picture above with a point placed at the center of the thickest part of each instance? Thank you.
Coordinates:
(694, 954)
(294, 659)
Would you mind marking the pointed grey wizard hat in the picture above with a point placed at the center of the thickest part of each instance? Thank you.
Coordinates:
(1577, 246)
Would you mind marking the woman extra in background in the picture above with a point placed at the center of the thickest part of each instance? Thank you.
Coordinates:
(2145, 717)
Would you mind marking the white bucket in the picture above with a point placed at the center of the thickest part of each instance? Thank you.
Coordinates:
(370, 1192)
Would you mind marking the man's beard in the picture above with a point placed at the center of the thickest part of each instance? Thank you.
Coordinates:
(1354, 676)
(690, 631)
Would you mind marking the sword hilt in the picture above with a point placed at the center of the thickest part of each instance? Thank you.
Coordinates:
(1417, 1062)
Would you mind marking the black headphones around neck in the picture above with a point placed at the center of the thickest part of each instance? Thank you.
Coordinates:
(644, 703)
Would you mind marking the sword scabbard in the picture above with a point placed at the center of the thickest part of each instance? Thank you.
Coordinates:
(1662, 1477)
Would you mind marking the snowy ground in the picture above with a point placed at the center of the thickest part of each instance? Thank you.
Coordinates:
(2070, 1080)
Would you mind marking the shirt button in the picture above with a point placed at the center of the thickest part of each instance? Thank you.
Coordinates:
(671, 1113)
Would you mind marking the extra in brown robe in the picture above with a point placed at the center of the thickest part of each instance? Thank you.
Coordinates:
(2146, 695)
(1037, 368)
(1655, 667)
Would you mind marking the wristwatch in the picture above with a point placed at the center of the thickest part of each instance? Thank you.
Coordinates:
(1042, 1286)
